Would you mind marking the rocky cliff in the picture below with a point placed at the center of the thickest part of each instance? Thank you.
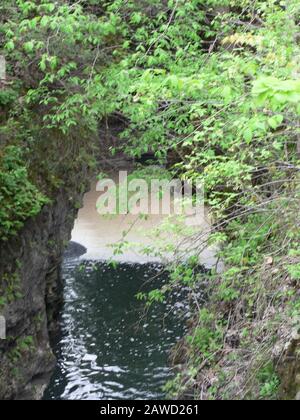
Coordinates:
(31, 294)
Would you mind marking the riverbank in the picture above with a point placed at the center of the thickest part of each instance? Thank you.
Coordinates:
(244, 342)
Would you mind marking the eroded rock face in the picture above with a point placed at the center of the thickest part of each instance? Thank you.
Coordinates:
(290, 369)
(31, 285)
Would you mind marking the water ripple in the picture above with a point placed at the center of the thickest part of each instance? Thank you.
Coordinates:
(108, 349)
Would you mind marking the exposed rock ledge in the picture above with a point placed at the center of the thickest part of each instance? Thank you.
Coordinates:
(289, 369)
(30, 272)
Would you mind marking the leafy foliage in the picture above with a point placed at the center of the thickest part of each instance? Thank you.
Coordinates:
(212, 86)
(19, 198)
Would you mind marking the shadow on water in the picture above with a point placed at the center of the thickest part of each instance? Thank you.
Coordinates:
(108, 349)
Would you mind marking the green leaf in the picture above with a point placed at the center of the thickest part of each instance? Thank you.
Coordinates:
(248, 135)
(136, 18)
(227, 93)
(50, 7)
(53, 63)
(29, 46)
(275, 121)
(10, 46)
(43, 65)
(44, 21)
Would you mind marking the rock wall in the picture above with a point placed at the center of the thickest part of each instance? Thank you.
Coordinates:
(289, 369)
(31, 288)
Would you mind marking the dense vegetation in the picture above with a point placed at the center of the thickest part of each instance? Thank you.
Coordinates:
(214, 82)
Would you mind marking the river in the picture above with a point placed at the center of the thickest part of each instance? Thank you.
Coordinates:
(109, 348)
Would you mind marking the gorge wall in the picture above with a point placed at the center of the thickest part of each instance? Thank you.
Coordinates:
(31, 295)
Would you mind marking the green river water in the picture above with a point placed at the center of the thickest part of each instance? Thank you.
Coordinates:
(109, 348)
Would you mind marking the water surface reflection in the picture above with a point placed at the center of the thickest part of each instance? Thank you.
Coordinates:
(108, 349)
